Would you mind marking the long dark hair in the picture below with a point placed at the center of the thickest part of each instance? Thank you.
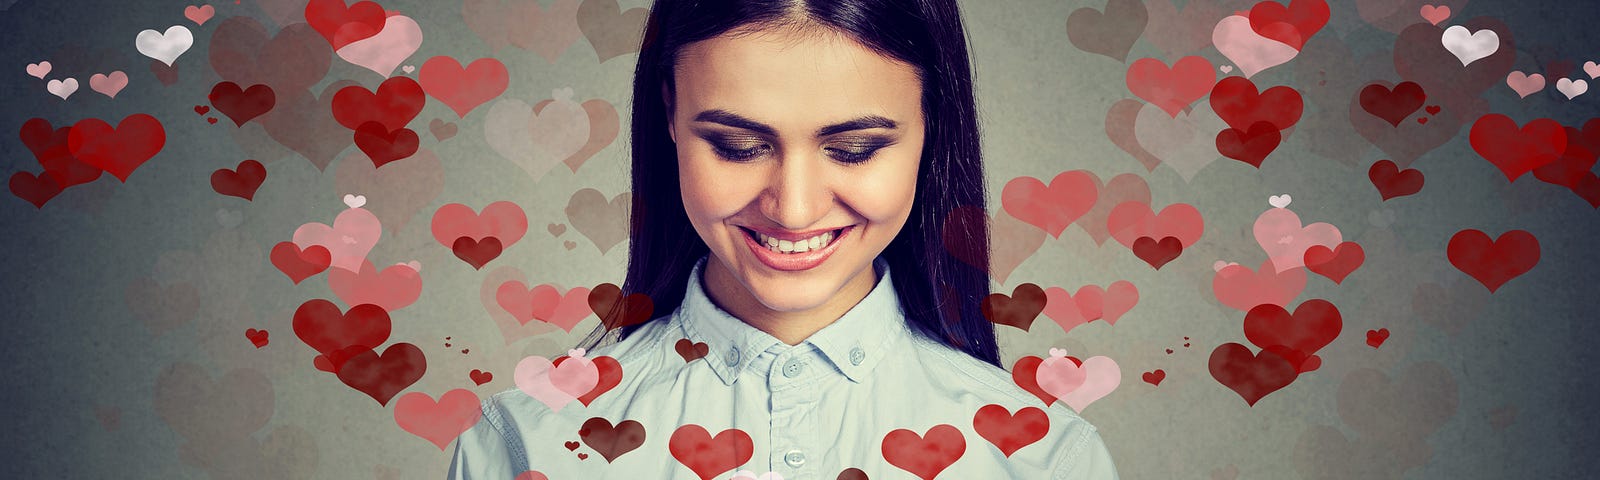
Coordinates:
(941, 295)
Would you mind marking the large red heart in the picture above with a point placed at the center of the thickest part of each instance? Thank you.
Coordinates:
(241, 181)
(1173, 88)
(463, 89)
(385, 146)
(503, 220)
(1393, 182)
(1018, 309)
(321, 325)
(1314, 324)
(1240, 288)
(118, 150)
(1051, 208)
(1293, 25)
(381, 377)
(1395, 105)
(610, 376)
(394, 287)
(1335, 263)
(438, 422)
(49, 147)
(1249, 146)
(397, 101)
(300, 264)
(1516, 151)
(615, 310)
(242, 105)
(1493, 262)
(1577, 161)
(1133, 219)
(343, 25)
(924, 456)
(611, 442)
(476, 252)
(1010, 432)
(35, 188)
(1157, 252)
(709, 456)
(1252, 376)
(1236, 102)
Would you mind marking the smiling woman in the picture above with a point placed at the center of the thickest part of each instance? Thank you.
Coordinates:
(794, 166)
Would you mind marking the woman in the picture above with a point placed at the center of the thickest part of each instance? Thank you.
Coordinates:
(788, 157)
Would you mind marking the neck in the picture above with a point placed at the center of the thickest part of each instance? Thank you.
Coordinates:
(790, 327)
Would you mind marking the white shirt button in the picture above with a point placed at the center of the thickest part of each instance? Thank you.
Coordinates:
(793, 368)
(795, 458)
(733, 356)
(857, 355)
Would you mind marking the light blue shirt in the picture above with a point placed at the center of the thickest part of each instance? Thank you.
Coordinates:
(811, 410)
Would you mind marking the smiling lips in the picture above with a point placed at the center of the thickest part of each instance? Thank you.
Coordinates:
(806, 260)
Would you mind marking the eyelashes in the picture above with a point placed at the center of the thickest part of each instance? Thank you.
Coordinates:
(861, 154)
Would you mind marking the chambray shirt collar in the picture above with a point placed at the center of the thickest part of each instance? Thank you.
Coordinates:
(854, 344)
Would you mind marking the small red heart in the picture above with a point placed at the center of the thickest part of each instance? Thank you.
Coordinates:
(300, 264)
(571, 445)
(1375, 338)
(1433, 110)
(480, 377)
(201, 110)
(384, 146)
(691, 351)
(1155, 377)
(1157, 253)
(1335, 263)
(1019, 309)
(257, 337)
(476, 252)
(241, 181)
(211, 120)
(1393, 182)
(1169, 351)
(1422, 120)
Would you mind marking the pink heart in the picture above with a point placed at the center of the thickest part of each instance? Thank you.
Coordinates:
(1130, 220)
(555, 386)
(1279, 233)
(503, 220)
(544, 302)
(1060, 376)
(199, 15)
(1121, 188)
(1525, 84)
(1102, 376)
(1435, 14)
(400, 37)
(438, 422)
(1247, 49)
(1090, 303)
(356, 224)
(531, 475)
(392, 288)
(109, 85)
(1051, 208)
(1240, 288)
(1591, 68)
(39, 70)
(512, 327)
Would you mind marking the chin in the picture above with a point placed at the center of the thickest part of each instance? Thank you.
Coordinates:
(785, 296)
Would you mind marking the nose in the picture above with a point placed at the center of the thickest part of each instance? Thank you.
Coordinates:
(798, 193)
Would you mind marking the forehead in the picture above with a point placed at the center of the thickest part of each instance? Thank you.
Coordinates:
(794, 80)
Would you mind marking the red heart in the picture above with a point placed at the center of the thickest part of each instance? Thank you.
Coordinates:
(120, 150)
(1019, 309)
(709, 457)
(1157, 253)
(1335, 263)
(381, 377)
(924, 456)
(1588, 188)
(343, 25)
(691, 351)
(476, 252)
(1493, 262)
(242, 105)
(300, 264)
(322, 327)
(1155, 377)
(257, 337)
(385, 146)
(1583, 149)
(201, 110)
(1314, 324)
(331, 362)
(1432, 109)
(1025, 373)
(1171, 89)
(480, 377)
(35, 188)
(1305, 17)
(397, 101)
(463, 88)
(1375, 338)
(1517, 151)
(1010, 432)
(240, 182)
(1392, 181)
(1395, 105)
(49, 147)
(615, 310)
(1051, 208)
(1236, 102)
(610, 376)
(1252, 376)
(1250, 146)
(572, 445)
(611, 442)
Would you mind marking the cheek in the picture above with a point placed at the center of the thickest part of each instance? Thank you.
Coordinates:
(884, 195)
(708, 195)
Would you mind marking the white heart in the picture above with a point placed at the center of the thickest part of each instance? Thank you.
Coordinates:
(575, 353)
(1572, 88)
(1057, 352)
(165, 47)
(1227, 68)
(1469, 47)
(415, 265)
(355, 201)
(62, 88)
(39, 70)
(1279, 201)
(1218, 265)
(408, 69)
(1589, 67)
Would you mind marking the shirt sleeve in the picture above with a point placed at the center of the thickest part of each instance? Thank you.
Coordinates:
(482, 452)
(1087, 460)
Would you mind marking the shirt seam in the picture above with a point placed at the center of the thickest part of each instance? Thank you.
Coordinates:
(519, 453)
(1066, 461)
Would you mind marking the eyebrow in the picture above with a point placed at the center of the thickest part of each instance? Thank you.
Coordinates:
(734, 120)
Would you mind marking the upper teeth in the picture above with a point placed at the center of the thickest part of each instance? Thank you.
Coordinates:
(786, 246)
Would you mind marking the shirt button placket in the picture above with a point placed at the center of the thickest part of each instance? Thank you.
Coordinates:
(793, 410)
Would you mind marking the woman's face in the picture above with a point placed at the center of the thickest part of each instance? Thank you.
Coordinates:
(792, 134)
